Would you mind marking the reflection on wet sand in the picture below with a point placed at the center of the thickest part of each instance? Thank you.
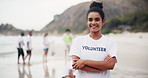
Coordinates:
(29, 75)
(46, 72)
(22, 72)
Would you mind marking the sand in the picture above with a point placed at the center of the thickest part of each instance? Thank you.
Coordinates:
(132, 55)
(132, 60)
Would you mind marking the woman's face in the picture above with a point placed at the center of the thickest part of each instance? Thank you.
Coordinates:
(94, 22)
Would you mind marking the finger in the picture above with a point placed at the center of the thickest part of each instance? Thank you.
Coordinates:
(74, 66)
(77, 66)
(109, 56)
(74, 60)
(73, 63)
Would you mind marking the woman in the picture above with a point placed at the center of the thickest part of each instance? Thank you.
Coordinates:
(94, 55)
(46, 46)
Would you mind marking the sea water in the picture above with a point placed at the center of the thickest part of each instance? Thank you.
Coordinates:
(8, 44)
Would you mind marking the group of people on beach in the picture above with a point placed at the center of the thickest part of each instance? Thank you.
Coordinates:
(21, 44)
(93, 55)
(67, 38)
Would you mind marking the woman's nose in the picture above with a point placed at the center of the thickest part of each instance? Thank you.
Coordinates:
(93, 22)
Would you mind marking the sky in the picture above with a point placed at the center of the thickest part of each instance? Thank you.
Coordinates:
(32, 14)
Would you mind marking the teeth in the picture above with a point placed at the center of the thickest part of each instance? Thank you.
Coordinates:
(93, 26)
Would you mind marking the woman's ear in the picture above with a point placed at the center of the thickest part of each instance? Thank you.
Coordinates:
(103, 21)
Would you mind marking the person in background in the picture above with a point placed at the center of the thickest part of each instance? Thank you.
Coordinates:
(94, 55)
(29, 46)
(20, 45)
(46, 47)
(67, 37)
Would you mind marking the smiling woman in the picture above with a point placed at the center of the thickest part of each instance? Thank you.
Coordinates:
(94, 55)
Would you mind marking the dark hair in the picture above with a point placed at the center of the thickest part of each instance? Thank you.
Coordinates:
(67, 30)
(97, 7)
(45, 34)
(22, 33)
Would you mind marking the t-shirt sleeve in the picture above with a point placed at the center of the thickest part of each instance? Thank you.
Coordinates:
(113, 49)
(46, 42)
(75, 47)
(19, 40)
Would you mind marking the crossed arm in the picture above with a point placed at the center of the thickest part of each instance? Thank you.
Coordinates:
(93, 66)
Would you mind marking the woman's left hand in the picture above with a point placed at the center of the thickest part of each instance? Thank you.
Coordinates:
(78, 64)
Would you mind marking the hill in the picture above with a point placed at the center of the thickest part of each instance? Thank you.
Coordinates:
(75, 16)
(9, 29)
(134, 22)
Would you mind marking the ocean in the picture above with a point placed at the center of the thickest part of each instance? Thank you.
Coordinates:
(8, 44)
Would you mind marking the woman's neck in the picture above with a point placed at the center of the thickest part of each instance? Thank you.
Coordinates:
(95, 36)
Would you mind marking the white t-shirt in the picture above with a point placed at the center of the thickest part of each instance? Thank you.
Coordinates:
(21, 41)
(28, 39)
(46, 42)
(87, 48)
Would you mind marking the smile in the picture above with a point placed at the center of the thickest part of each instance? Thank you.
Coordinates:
(94, 26)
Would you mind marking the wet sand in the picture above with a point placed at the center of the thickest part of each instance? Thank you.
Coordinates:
(132, 55)
(132, 60)
(52, 69)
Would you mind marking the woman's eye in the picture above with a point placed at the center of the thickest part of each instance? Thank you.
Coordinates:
(90, 19)
(97, 19)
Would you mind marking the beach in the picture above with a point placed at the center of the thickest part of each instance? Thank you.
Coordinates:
(132, 58)
(132, 55)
